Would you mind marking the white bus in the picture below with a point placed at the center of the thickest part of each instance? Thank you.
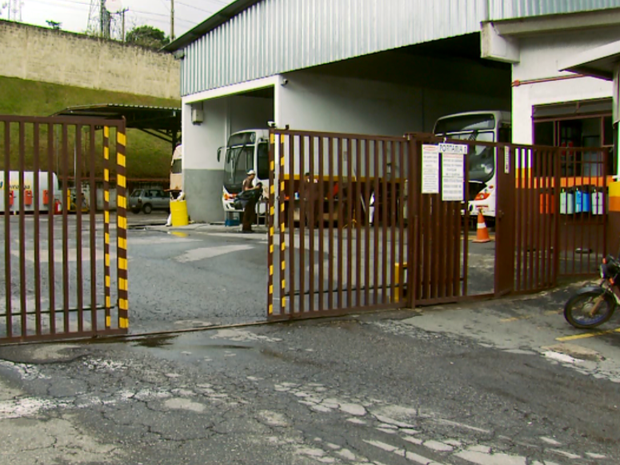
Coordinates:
(485, 126)
(246, 150)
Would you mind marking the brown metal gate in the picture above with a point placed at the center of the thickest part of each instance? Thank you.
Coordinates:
(360, 222)
(58, 249)
(338, 237)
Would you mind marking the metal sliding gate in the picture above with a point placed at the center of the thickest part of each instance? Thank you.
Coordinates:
(361, 222)
(59, 277)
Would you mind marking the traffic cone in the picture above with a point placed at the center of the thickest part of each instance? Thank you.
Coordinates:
(482, 234)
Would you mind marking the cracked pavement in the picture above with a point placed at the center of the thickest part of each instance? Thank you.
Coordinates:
(372, 389)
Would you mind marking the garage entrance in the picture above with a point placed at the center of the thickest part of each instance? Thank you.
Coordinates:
(361, 223)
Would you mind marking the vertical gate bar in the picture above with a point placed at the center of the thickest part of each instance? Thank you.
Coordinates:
(321, 176)
(544, 205)
(378, 200)
(367, 197)
(413, 226)
(107, 279)
(403, 184)
(604, 216)
(530, 223)
(330, 241)
(93, 229)
(466, 222)
(449, 250)
(435, 237)
(282, 225)
(22, 231)
(50, 228)
(37, 228)
(77, 175)
(525, 217)
(282, 219)
(359, 216)
(425, 246)
(271, 223)
(121, 227)
(303, 199)
(555, 205)
(65, 226)
(312, 207)
(340, 222)
(556, 233)
(459, 220)
(395, 217)
(518, 181)
(7, 230)
(444, 235)
(536, 221)
(291, 226)
(384, 220)
(574, 215)
(350, 223)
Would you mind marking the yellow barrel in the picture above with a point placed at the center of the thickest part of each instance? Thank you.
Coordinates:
(178, 210)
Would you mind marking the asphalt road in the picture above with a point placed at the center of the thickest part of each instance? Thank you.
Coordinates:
(490, 383)
(390, 388)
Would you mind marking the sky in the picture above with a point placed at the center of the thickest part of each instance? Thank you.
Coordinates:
(74, 14)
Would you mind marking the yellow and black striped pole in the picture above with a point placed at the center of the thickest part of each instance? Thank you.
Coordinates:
(271, 223)
(106, 225)
(281, 194)
(121, 225)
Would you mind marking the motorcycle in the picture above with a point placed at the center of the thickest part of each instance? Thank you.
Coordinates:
(594, 305)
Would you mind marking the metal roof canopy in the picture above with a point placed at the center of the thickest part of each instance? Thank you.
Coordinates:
(161, 122)
(601, 62)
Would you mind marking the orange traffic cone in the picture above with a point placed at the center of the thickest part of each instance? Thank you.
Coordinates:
(482, 234)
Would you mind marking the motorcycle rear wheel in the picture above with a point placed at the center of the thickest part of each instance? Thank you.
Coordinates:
(578, 311)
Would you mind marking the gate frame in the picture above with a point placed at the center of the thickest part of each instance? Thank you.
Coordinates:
(505, 256)
(121, 224)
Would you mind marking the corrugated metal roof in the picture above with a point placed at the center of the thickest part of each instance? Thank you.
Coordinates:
(275, 36)
(510, 9)
(252, 39)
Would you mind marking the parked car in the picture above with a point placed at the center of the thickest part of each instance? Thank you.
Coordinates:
(147, 200)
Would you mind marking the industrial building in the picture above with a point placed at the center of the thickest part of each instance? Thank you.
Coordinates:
(387, 67)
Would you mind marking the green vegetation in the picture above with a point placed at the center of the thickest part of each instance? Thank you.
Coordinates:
(147, 36)
(147, 156)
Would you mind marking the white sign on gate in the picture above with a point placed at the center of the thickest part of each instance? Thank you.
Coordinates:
(453, 148)
(430, 169)
(452, 177)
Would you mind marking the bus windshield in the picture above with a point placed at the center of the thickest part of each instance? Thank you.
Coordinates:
(482, 127)
(239, 160)
(481, 159)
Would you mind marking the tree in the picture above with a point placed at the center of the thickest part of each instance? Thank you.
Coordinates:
(147, 36)
(53, 24)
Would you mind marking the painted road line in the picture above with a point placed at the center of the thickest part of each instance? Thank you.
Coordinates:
(587, 335)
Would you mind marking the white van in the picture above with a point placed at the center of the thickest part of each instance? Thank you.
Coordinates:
(176, 170)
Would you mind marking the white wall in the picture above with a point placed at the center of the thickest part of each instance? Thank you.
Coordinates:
(539, 58)
(203, 174)
(311, 101)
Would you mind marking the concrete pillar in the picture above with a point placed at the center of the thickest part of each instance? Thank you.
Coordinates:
(203, 174)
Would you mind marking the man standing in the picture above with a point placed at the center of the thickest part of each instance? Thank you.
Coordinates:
(251, 192)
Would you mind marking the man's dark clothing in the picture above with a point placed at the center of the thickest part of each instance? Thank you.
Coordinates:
(249, 212)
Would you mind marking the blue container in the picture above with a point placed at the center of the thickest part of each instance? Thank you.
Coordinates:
(578, 201)
(586, 202)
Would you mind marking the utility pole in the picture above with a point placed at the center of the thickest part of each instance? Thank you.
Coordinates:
(171, 20)
(122, 12)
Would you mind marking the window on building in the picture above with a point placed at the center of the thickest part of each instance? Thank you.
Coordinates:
(577, 124)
